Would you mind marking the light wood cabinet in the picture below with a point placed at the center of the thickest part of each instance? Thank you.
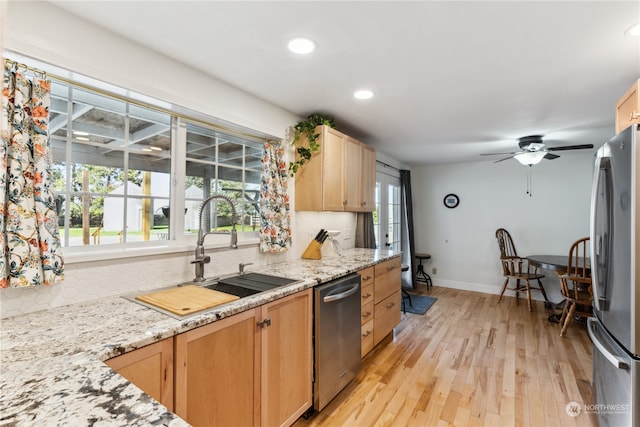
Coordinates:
(628, 108)
(251, 369)
(387, 298)
(287, 359)
(218, 372)
(150, 368)
(386, 317)
(368, 173)
(340, 176)
(380, 302)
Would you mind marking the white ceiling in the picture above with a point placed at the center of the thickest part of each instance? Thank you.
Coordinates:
(452, 79)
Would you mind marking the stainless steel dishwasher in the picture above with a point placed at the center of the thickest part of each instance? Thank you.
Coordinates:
(337, 337)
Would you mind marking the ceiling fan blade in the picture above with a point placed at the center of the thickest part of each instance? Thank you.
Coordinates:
(571, 147)
(495, 154)
(550, 156)
(502, 160)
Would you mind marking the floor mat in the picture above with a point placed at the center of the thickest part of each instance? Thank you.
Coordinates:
(419, 304)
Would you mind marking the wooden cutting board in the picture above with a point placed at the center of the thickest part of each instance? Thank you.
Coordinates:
(186, 299)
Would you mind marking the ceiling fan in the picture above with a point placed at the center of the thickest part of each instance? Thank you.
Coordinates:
(532, 150)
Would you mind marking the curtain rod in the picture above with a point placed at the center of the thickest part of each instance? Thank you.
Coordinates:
(219, 127)
(386, 165)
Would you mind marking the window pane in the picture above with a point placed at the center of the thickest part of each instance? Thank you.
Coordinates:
(113, 147)
(218, 163)
(394, 217)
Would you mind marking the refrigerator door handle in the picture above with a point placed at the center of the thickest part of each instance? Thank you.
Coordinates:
(597, 248)
(592, 325)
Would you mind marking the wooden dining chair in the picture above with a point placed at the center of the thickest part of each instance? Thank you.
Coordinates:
(516, 268)
(575, 284)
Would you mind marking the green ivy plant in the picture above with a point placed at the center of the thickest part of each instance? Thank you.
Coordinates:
(307, 128)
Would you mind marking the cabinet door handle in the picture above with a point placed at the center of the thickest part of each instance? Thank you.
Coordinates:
(367, 314)
(264, 323)
(391, 304)
(366, 334)
(634, 115)
(366, 296)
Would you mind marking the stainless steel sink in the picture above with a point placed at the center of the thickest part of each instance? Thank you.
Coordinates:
(247, 284)
(242, 285)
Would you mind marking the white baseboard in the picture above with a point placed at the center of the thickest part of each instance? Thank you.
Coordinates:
(481, 287)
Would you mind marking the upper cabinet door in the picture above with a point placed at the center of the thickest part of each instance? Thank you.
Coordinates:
(333, 179)
(368, 176)
(352, 181)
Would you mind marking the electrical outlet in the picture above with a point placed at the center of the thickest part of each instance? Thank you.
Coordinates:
(434, 270)
(347, 234)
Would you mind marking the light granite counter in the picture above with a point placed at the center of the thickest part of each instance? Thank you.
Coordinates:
(51, 371)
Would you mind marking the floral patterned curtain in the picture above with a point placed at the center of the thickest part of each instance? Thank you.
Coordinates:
(30, 253)
(275, 228)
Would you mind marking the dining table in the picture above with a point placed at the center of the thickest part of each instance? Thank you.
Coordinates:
(557, 264)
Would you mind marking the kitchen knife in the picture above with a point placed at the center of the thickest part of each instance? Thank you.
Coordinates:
(319, 235)
(324, 236)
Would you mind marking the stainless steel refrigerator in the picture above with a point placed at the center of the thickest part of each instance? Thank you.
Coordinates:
(615, 256)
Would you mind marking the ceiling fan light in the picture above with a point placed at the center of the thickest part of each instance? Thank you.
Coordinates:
(530, 157)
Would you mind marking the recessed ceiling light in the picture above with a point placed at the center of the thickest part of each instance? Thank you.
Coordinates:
(154, 148)
(77, 132)
(148, 150)
(363, 94)
(82, 138)
(633, 30)
(301, 45)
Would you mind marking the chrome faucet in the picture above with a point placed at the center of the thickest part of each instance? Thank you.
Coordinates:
(201, 259)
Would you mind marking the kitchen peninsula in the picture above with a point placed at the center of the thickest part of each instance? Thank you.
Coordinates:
(52, 361)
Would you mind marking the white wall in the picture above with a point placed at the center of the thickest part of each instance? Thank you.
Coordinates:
(65, 41)
(462, 241)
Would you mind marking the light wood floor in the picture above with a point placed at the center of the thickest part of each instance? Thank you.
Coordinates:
(470, 362)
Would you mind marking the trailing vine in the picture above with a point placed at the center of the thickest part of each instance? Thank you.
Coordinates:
(307, 128)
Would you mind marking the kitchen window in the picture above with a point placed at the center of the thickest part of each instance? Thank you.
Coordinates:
(217, 162)
(111, 166)
(113, 163)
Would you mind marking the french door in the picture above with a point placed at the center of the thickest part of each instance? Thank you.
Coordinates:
(386, 217)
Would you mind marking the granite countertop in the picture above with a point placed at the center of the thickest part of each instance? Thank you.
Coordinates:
(51, 370)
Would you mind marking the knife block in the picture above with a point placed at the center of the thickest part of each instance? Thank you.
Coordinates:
(313, 250)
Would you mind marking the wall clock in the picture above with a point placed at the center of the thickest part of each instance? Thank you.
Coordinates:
(451, 200)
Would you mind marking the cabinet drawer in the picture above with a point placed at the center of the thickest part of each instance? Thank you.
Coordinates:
(367, 275)
(387, 279)
(386, 316)
(367, 313)
(366, 294)
(367, 338)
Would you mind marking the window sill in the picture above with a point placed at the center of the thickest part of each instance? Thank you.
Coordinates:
(89, 254)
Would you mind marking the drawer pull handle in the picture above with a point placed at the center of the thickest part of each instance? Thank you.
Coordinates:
(391, 304)
(367, 314)
(367, 296)
(366, 334)
(634, 116)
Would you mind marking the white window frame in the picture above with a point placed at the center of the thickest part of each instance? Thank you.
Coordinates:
(178, 241)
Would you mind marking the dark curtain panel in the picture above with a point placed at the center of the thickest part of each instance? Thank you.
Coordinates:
(365, 234)
(407, 242)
